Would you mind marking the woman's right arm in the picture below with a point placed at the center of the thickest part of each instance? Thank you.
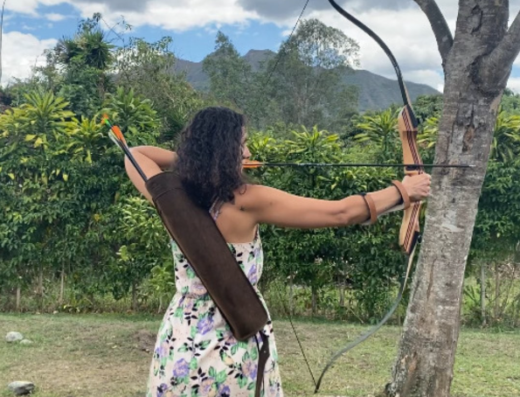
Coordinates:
(152, 161)
(273, 206)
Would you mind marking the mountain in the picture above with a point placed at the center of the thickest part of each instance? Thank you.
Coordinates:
(375, 92)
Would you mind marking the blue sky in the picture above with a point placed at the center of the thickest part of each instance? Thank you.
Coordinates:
(33, 25)
(54, 22)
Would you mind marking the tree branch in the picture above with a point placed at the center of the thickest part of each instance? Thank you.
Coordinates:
(502, 57)
(439, 26)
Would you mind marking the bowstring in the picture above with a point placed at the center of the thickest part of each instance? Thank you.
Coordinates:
(288, 313)
(408, 262)
(288, 41)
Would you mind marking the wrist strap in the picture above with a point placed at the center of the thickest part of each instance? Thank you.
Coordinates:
(405, 199)
(371, 207)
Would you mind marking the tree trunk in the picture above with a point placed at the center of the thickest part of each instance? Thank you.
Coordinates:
(497, 294)
(314, 301)
(40, 286)
(483, 293)
(477, 68)
(62, 285)
(291, 298)
(18, 298)
(342, 295)
(159, 310)
(134, 296)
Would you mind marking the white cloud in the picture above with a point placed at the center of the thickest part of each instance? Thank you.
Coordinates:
(429, 77)
(21, 52)
(408, 35)
(30, 6)
(55, 17)
(406, 30)
(514, 84)
(176, 16)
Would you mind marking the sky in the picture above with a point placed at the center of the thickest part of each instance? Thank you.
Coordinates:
(31, 26)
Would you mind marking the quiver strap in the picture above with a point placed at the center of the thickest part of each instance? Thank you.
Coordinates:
(207, 252)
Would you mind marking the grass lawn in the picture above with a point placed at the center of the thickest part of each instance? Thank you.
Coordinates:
(102, 356)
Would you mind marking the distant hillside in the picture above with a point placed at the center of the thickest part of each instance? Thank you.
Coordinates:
(375, 92)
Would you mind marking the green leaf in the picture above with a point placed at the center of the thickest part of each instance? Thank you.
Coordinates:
(38, 142)
(242, 382)
(222, 376)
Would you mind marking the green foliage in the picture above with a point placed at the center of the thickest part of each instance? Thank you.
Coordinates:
(506, 139)
(133, 115)
(498, 218)
(426, 106)
(301, 85)
(510, 102)
(33, 180)
(381, 129)
(146, 69)
(230, 75)
(68, 212)
(318, 258)
(140, 232)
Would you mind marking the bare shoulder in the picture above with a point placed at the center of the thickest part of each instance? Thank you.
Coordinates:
(250, 196)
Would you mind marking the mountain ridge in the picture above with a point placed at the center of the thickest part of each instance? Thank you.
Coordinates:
(375, 92)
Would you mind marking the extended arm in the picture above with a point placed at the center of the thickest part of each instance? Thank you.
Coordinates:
(273, 206)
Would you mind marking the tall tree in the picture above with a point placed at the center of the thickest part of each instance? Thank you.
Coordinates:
(305, 78)
(477, 63)
(146, 68)
(229, 74)
(86, 59)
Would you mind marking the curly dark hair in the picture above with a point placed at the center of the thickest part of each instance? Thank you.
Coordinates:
(210, 156)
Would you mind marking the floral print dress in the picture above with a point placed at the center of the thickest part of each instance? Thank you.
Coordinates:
(195, 353)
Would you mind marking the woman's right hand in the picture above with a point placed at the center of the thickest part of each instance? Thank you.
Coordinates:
(417, 186)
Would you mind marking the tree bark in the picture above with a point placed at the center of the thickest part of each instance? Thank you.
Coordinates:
(18, 298)
(291, 298)
(62, 285)
(314, 301)
(134, 296)
(425, 360)
(439, 26)
(342, 295)
(497, 294)
(40, 286)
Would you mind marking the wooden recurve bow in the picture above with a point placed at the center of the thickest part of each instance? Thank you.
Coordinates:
(410, 230)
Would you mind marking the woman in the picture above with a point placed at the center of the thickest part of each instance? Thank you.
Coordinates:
(195, 353)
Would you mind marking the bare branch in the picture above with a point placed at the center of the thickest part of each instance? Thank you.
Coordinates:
(502, 57)
(439, 26)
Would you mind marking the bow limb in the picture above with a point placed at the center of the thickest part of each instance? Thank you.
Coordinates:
(410, 229)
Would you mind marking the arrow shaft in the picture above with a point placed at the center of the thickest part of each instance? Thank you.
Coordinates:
(356, 165)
